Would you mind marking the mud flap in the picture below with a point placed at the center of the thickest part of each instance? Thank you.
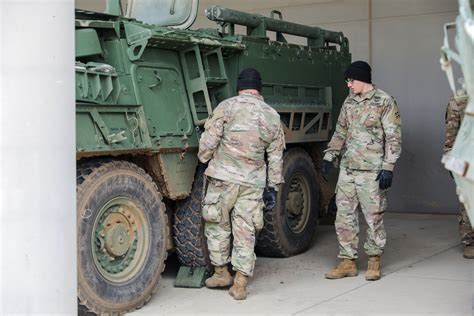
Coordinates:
(191, 277)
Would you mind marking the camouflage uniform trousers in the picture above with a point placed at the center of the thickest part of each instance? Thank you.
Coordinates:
(465, 228)
(237, 209)
(356, 187)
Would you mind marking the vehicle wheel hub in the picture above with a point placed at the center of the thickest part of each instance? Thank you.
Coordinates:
(297, 203)
(117, 235)
(119, 240)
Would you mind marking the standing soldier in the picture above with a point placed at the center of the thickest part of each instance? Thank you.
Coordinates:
(237, 136)
(454, 116)
(368, 137)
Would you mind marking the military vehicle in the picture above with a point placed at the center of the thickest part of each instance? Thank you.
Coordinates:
(460, 160)
(145, 85)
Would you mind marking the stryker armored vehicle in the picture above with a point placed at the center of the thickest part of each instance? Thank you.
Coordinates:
(144, 88)
(460, 160)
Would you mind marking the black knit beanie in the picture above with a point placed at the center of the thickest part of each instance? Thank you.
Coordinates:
(359, 70)
(249, 78)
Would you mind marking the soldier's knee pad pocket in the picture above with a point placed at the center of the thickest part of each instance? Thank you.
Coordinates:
(257, 217)
(213, 244)
(211, 211)
(382, 235)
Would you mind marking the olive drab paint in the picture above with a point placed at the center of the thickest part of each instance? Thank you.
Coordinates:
(143, 94)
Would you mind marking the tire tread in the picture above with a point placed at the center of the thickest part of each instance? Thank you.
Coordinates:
(87, 174)
(188, 233)
(270, 241)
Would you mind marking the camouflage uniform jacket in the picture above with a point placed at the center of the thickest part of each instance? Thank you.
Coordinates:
(237, 135)
(454, 116)
(368, 132)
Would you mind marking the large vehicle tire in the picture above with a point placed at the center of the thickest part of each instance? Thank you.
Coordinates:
(121, 242)
(289, 227)
(188, 227)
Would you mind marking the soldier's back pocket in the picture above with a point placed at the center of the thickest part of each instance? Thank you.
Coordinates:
(211, 210)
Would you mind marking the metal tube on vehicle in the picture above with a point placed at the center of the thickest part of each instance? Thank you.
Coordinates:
(220, 14)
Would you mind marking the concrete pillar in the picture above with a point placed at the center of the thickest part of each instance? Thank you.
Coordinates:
(37, 158)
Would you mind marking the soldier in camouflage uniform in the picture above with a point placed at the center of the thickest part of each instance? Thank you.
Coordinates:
(237, 136)
(368, 139)
(454, 116)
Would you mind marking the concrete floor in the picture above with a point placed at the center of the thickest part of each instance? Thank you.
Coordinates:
(423, 270)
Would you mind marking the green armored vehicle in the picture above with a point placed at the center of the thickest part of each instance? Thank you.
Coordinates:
(144, 88)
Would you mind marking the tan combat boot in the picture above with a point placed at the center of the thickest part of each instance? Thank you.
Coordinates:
(345, 268)
(468, 252)
(373, 269)
(220, 278)
(239, 290)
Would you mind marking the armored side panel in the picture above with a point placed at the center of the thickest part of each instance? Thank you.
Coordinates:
(460, 160)
(143, 90)
(306, 92)
(304, 83)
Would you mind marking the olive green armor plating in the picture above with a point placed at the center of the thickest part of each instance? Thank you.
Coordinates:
(143, 94)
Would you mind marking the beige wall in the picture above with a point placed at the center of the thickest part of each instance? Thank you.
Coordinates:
(401, 39)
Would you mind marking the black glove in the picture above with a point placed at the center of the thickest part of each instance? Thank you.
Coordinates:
(269, 198)
(327, 165)
(385, 179)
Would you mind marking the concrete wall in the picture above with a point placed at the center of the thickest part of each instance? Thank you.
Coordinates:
(406, 62)
(401, 40)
